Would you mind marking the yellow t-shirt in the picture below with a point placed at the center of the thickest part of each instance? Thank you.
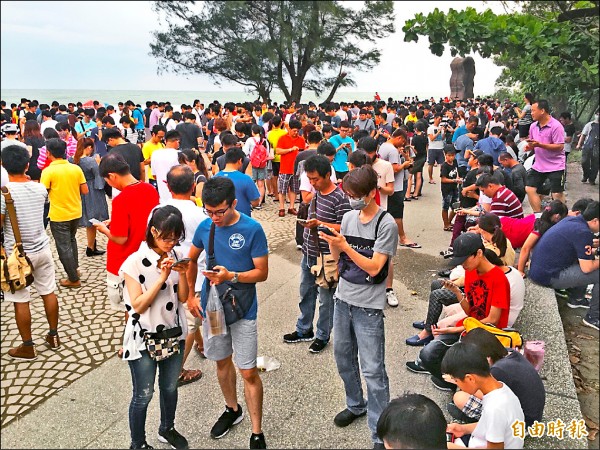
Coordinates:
(147, 151)
(273, 138)
(410, 118)
(63, 181)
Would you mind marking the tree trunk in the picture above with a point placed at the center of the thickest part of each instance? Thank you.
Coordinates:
(265, 95)
(296, 92)
(335, 87)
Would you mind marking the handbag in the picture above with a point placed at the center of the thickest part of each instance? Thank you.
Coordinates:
(326, 270)
(509, 337)
(163, 344)
(237, 298)
(16, 271)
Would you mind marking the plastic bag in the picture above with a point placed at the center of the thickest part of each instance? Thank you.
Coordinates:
(534, 351)
(214, 324)
(267, 363)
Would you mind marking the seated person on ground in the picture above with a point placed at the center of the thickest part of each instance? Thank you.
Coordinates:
(466, 366)
(412, 421)
(512, 369)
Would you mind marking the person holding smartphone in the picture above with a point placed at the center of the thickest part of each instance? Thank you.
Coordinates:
(344, 145)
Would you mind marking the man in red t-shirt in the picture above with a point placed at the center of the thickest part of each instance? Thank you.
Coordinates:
(288, 147)
(129, 218)
(486, 298)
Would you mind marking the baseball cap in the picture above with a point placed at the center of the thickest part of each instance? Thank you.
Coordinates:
(477, 153)
(466, 245)
(10, 128)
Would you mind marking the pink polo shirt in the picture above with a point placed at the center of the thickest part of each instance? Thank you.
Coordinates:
(551, 133)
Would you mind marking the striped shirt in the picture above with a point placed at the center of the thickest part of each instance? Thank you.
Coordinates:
(29, 198)
(43, 161)
(506, 204)
(330, 208)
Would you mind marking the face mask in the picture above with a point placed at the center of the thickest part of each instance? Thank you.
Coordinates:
(359, 204)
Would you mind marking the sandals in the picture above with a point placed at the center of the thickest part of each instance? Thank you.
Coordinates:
(449, 228)
(282, 213)
(200, 351)
(188, 376)
(411, 245)
(292, 211)
(432, 182)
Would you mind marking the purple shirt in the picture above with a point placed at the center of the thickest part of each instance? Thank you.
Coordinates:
(154, 117)
(551, 133)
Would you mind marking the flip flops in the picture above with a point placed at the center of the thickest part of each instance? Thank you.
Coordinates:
(188, 376)
(448, 228)
(411, 245)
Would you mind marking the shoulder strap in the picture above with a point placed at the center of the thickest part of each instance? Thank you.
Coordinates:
(210, 262)
(12, 214)
(378, 222)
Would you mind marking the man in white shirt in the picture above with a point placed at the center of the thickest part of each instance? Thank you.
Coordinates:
(180, 182)
(47, 121)
(161, 162)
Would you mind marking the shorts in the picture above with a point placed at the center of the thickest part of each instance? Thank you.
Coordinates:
(193, 323)
(241, 340)
(557, 180)
(275, 168)
(448, 199)
(396, 205)
(287, 182)
(435, 155)
(44, 279)
(141, 137)
(340, 175)
(473, 407)
(259, 174)
(524, 130)
(418, 165)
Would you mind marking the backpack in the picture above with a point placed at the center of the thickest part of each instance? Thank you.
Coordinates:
(591, 143)
(259, 155)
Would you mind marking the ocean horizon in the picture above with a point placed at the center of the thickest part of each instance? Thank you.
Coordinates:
(64, 96)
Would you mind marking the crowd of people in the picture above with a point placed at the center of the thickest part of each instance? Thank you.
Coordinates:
(174, 191)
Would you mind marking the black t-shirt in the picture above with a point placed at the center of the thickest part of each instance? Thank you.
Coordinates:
(133, 156)
(449, 171)
(470, 179)
(190, 133)
(33, 171)
(220, 161)
(521, 377)
(147, 113)
(302, 156)
(216, 155)
(419, 142)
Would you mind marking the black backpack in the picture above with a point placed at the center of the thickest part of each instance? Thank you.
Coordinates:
(591, 142)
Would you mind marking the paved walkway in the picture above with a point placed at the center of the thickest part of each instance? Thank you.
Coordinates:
(90, 332)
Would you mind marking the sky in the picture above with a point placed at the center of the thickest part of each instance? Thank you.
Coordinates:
(105, 45)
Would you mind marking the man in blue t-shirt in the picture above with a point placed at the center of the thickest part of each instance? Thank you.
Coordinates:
(344, 145)
(137, 116)
(246, 192)
(575, 267)
(241, 256)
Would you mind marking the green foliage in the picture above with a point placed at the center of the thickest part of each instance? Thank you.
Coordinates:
(291, 45)
(538, 53)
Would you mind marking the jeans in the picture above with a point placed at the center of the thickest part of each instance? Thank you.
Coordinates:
(589, 164)
(143, 373)
(64, 236)
(432, 354)
(359, 332)
(576, 281)
(308, 301)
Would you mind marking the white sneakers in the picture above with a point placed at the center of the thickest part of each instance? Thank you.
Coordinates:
(392, 300)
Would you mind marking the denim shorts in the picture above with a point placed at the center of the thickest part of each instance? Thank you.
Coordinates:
(241, 340)
(448, 199)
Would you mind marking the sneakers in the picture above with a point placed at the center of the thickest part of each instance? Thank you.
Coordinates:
(444, 273)
(457, 413)
(144, 445)
(416, 341)
(392, 300)
(448, 253)
(589, 322)
(23, 353)
(578, 303)
(258, 441)
(292, 338)
(346, 417)
(415, 367)
(561, 293)
(228, 419)
(53, 342)
(317, 346)
(173, 438)
(443, 385)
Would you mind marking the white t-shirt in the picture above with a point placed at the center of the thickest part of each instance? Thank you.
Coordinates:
(517, 294)
(192, 217)
(48, 124)
(168, 123)
(305, 182)
(3, 177)
(385, 175)
(161, 162)
(438, 143)
(501, 408)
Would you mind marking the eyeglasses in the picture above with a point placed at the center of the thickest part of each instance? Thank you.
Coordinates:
(168, 240)
(219, 213)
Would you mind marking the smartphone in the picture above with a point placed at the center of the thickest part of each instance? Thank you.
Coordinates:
(455, 206)
(302, 221)
(210, 272)
(95, 221)
(325, 230)
(449, 437)
(181, 261)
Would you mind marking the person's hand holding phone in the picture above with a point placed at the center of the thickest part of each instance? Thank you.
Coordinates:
(218, 275)
(333, 238)
(311, 223)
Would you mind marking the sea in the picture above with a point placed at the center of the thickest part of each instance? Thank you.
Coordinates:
(64, 96)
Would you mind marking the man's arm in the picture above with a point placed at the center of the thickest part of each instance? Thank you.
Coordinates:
(83, 188)
(588, 265)
(193, 301)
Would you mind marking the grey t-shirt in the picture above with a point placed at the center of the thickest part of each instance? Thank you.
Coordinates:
(29, 198)
(368, 295)
(366, 124)
(389, 153)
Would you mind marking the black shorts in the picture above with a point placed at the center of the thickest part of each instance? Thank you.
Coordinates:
(435, 155)
(396, 205)
(340, 175)
(418, 165)
(524, 130)
(557, 180)
(275, 168)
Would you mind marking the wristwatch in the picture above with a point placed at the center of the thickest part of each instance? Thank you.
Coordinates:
(235, 278)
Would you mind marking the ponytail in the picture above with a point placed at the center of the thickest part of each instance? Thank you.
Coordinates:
(491, 223)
